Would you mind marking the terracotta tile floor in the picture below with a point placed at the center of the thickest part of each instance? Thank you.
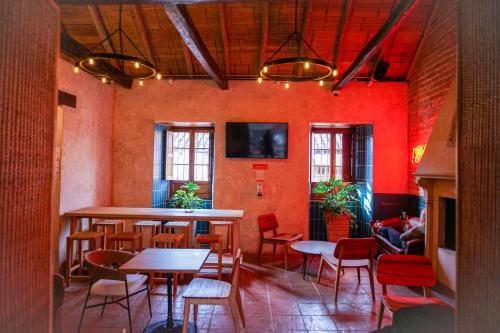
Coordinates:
(274, 300)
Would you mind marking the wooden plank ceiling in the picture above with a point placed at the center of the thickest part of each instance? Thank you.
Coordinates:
(239, 34)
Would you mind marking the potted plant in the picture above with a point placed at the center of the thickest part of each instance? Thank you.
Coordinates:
(186, 198)
(335, 195)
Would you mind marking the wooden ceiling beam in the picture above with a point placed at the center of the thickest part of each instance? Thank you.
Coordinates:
(189, 61)
(101, 28)
(344, 19)
(74, 50)
(225, 38)
(142, 31)
(390, 26)
(264, 33)
(180, 18)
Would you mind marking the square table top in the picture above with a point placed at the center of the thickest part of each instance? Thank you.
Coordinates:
(167, 261)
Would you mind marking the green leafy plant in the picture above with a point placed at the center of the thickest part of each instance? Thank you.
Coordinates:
(186, 197)
(335, 196)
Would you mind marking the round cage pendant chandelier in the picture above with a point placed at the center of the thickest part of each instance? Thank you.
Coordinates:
(118, 65)
(313, 69)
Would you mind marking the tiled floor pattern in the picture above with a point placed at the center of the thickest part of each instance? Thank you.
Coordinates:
(274, 301)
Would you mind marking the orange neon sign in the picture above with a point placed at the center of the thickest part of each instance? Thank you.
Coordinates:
(417, 153)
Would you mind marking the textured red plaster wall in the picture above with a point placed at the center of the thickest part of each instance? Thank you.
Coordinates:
(86, 143)
(286, 181)
(430, 80)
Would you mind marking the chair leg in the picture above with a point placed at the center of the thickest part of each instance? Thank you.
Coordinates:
(321, 267)
(85, 306)
(337, 282)
(286, 257)
(80, 257)
(128, 307)
(372, 284)
(149, 298)
(380, 315)
(69, 259)
(261, 245)
(195, 314)
(240, 308)
(186, 317)
(234, 314)
(104, 305)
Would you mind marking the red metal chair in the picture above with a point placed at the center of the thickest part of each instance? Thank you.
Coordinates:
(351, 253)
(267, 223)
(405, 270)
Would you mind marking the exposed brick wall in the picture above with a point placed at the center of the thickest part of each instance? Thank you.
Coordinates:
(431, 77)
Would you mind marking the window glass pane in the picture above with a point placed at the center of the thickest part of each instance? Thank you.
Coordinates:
(201, 140)
(338, 156)
(201, 156)
(181, 144)
(321, 157)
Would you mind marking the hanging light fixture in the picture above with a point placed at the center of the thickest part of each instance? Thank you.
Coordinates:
(313, 69)
(117, 65)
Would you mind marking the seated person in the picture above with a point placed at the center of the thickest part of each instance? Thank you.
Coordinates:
(412, 228)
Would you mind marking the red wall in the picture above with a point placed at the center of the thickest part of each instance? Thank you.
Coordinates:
(286, 181)
(428, 84)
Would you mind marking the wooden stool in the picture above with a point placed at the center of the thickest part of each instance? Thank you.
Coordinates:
(115, 240)
(116, 226)
(229, 225)
(185, 226)
(168, 241)
(154, 225)
(92, 237)
(213, 264)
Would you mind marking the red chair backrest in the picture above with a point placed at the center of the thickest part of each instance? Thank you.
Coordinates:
(356, 248)
(267, 222)
(405, 270)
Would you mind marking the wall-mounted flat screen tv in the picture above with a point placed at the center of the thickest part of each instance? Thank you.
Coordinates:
(257, 140)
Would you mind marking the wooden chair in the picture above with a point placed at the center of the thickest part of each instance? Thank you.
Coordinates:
(116, 241)
(155, 226)
(92, 237)
(405, 270)
(269, 223)
(208, 291)
(171, 227)
(107, 281)
(213, 264)
(229, 232)
(116, 226)
(59, 286)
(351, 253)
(166, 241)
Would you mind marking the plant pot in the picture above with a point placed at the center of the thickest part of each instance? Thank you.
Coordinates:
(337, 227)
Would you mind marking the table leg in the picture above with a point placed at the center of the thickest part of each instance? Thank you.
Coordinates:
(304, 266)
(170, 325)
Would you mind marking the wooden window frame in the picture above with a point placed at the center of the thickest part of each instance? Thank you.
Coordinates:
(205, 186)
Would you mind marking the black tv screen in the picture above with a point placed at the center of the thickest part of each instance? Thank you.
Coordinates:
(257, 140)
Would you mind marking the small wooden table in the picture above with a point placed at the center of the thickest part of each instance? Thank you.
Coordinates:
(167, 261)
(313, 248)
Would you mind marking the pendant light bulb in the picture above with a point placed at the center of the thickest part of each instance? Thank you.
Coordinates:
(91, 61)
(259, 80)
(76, 69)
(141, 83)
(137, 64)
(158, 76)
(335, 72)
(307, 65)
(265, 69)
(321, 83)
(287, 85)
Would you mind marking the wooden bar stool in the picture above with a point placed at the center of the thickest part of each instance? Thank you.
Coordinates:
(213, 264)
(229, 225)
(186, 230)
(155, 226)
(79, 237)
(166, 241)
(114, 241)
(116, 226)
